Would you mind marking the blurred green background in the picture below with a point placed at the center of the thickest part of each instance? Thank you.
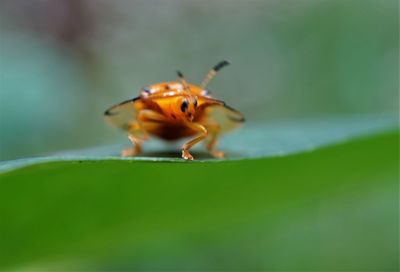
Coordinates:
(63, 62)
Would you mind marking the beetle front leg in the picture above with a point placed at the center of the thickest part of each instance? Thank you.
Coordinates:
(150, 116)
(185, 148)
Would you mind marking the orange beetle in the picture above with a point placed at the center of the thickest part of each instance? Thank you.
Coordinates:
(174, 110)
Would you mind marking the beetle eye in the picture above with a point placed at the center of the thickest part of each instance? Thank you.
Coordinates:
(184, 105)
(146, 90)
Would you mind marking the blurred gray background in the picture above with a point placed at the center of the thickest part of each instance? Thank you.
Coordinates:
(63, 62)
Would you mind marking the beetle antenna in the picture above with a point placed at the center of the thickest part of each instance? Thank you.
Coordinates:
(213, 72)
(182, 80)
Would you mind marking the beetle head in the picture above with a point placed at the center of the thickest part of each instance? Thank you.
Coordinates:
(187, 107)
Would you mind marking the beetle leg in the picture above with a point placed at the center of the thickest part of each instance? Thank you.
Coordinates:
(214, 132)
(130, 152)
(135, 135)
(150, 116)
(137, 132)
(185, 148)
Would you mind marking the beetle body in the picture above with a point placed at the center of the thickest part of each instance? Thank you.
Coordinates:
(175, 110)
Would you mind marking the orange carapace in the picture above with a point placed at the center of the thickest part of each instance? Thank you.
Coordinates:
(175, 110)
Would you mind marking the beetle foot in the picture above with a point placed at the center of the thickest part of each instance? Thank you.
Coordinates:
(186, 155)
(130, 152)
(217, 154)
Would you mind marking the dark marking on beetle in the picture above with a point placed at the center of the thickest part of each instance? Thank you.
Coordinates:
(221, 65)
(146, 90)
(173, 116)
(109, 112)
(238, 118)
(184, 105)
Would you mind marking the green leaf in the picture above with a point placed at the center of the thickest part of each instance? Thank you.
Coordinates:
(332, 205)
(252, 141)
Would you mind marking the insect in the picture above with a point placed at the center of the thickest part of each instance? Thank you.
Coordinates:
(175, 110)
